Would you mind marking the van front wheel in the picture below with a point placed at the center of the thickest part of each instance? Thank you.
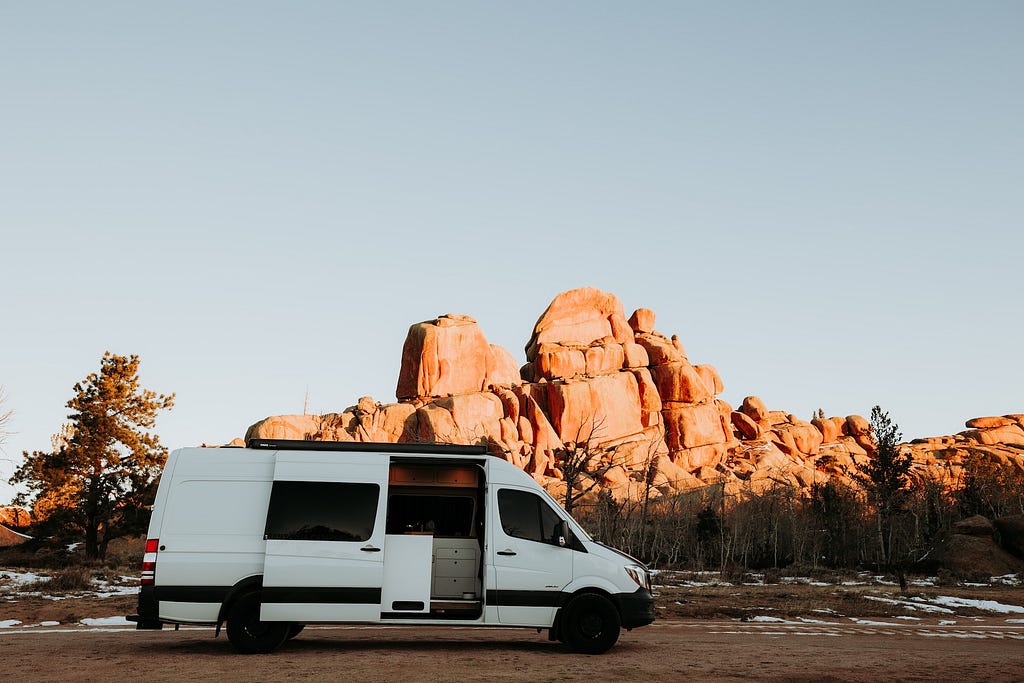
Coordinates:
(248, 634)
(590, 624)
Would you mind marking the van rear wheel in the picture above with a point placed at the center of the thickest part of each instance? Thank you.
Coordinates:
(294, 630)
(248, 634)
(590, 624)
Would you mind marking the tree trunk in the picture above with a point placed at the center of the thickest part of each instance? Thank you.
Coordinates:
(91, 539)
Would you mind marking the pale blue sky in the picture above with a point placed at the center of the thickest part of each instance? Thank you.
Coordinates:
(822, 199)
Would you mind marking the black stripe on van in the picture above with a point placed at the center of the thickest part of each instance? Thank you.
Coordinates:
(215, 594)
(526, 598)
(334, 596)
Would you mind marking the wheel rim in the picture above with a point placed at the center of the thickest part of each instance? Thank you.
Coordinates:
(591, 625)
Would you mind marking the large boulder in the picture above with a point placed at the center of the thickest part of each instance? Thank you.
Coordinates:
(292, 427)
(580, 317)
(689, 426)
(14, 516)
(445, 356)
(745, 427)
(971, 552)
(754, 408)
(601, 409)
(988, 422)
(680, 382)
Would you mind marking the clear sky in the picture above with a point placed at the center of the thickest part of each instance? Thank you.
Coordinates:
(823, 199)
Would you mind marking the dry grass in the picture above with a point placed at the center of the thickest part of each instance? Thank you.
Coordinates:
(67, 580)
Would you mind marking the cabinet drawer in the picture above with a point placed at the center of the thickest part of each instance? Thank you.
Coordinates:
(455, 568)
(450, 586)
(453, 553)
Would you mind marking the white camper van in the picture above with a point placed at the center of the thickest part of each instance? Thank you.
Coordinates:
(282, 534)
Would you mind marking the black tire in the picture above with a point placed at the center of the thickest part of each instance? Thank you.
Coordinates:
(294, 630)
(590, 624)
(248, 634)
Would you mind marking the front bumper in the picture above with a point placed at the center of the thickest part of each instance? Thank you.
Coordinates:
(636, 608)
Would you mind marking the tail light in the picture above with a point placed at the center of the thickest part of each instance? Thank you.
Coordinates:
(149, 562)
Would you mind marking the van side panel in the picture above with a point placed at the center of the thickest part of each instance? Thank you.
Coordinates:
(211, 530)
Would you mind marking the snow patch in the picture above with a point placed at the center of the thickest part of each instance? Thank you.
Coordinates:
(8, 623)
(767, 620)
(986, 605)
(866, 622)
(106, 621)
(911, 605)
(18, 578)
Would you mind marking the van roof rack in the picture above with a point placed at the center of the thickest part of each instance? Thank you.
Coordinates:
(364, 446)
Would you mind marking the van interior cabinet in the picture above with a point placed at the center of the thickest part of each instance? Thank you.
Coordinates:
(456, 566)
(407, 560)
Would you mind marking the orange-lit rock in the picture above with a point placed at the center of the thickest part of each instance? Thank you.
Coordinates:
(989, 422)
(603, 408)
(650, 400)
(629, 392)
(687, 426)
(709, 375)
(660, 349)
(680, 382)
(830, 431)
(559, 362)
(603, 359)
(642, 320)
(857, 426)
(502, 369)
(747, 428)
(580, 316)
(448, 355)
(754, 408)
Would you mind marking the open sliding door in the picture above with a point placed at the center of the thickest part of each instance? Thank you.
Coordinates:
(325, 537)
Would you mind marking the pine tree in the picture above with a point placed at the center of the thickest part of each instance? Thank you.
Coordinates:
(886, 479)
(101, 471)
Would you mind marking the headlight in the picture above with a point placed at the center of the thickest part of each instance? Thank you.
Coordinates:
(639, 576)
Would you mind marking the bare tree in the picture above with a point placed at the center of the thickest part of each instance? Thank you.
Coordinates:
(583, 462)
(5, 417)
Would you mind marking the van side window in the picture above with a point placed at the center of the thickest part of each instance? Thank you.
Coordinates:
(527, 515)
(321, 511)
(441, 515)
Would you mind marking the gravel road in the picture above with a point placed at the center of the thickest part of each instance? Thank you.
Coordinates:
(718, 650)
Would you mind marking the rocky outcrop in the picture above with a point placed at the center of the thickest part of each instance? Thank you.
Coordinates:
(971, 552)
(14, 516)
(627, 396)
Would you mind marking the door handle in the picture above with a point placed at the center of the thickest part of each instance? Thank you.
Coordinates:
(507, 552)
(370, 549)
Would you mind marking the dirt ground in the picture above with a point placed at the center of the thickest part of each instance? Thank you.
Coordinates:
(703, 633)
(711, 650)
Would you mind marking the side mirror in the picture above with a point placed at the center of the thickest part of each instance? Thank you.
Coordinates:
(563, 533)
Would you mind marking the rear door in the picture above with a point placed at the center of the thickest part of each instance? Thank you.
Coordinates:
(325, 537)
(530, 569)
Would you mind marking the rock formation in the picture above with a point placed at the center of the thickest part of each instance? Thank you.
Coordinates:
(629, 397)
(14, 516)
